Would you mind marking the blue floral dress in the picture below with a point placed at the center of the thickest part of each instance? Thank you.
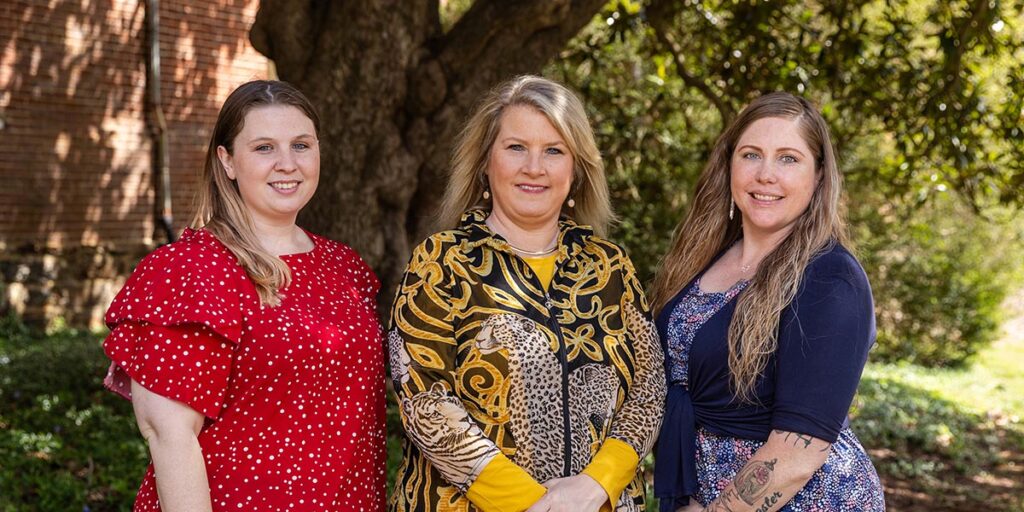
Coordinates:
(847, 481)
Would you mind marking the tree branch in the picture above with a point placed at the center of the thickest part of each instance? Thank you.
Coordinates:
(661, 15)
(285, 31)
(496, 39)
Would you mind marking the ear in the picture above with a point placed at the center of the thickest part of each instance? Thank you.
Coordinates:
(226, 161)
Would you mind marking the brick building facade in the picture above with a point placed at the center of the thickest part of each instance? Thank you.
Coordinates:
(76, 148)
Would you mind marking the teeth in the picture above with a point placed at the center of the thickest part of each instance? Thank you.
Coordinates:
(285, 185)
(531, 187)
(762, 197)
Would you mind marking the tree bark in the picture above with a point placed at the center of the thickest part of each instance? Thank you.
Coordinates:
(393, 91)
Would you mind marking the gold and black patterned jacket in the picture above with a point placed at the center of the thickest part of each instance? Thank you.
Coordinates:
(484, 362)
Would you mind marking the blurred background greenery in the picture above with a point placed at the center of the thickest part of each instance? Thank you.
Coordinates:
(926, 106)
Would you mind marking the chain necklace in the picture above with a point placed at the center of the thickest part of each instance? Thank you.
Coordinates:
(542, 252)
(524, 252)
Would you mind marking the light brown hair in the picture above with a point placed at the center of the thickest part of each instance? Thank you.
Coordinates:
(467, 180)
(707, 231)
(219, 205)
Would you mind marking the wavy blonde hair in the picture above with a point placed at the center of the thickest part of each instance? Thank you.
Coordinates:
(219, 206)
(707, 230)
(467, 180)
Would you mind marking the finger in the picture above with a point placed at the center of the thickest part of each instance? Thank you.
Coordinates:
(540, 505)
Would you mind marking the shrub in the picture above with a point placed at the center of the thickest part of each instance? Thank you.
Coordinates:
(66, 443)
(939, 274)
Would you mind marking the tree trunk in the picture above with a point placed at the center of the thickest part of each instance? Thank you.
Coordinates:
(393, 90)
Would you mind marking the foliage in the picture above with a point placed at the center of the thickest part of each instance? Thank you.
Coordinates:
(66, 443)
(934, 440)
(940, 275)
(921, 100)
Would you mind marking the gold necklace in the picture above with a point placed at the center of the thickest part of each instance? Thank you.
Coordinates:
(542, 252)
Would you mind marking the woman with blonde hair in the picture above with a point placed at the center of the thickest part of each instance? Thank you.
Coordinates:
(527, 368)
(766, 320)
(250, 348)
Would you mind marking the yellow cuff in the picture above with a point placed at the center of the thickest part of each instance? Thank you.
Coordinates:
(504, 487)
(613, 466)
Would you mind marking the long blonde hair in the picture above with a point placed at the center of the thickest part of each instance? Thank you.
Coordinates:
(467, 180)
(707, 230)
(219, 206)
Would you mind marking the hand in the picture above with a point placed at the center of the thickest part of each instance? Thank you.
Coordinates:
(694, 506)
(572, 494)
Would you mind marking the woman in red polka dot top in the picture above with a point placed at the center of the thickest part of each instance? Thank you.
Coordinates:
(250, 348)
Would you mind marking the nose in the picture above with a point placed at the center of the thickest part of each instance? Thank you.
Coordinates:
(286, 162)
(766, 172)
(534, 166)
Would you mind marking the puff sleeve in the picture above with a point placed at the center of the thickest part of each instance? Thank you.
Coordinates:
(176, 323)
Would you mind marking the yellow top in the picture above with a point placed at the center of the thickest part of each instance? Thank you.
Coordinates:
(505, 487)
(544, 267)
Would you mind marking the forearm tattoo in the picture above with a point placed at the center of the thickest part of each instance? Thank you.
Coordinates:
(749, 486)
(796, 439)
(724, 501)
(799, 440)
(752, 481)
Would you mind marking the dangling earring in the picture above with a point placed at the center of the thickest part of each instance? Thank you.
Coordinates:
(732, 208)
(571, 203)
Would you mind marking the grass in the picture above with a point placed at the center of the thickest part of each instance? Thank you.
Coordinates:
(948, 439)
(942, 439)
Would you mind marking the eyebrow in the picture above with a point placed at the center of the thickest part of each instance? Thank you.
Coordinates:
(546, 144)
(271, 139)
(794, 150)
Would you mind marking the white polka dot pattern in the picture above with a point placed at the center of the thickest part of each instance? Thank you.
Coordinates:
(294, 395)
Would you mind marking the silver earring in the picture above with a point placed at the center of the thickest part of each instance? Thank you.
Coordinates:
(571, 203)
(732, 208)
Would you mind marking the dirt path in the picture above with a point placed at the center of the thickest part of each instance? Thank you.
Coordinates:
(1000, 486)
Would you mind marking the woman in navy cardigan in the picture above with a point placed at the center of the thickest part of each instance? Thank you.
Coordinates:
(766, 320)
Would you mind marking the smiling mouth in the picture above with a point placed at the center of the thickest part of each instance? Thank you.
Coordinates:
(531, 188)
(285, 185)
(765, 197)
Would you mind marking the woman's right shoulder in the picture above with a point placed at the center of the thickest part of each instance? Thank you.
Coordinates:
(197, 250)
(432, 257)
(195, 279)
(439, 244)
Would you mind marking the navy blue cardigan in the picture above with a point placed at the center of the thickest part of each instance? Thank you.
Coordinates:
(807, 387)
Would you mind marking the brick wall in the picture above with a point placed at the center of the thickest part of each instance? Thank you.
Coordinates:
(75, 152)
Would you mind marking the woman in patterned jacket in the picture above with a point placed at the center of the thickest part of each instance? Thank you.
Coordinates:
(528, 371)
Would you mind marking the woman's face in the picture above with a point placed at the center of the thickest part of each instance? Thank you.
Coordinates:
(276, 163)
(773, 175)
(530, 169)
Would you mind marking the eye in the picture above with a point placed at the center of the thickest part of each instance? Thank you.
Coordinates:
(750, 155)
(263, 148)
(300, 146)
(517, 147)
(788, 159)
(554, 151)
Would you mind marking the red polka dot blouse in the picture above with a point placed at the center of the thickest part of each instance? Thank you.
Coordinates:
(293, 395)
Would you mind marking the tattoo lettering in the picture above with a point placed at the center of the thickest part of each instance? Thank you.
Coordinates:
(753, 479)
(722, 503)
(800, 438)
(769, 502)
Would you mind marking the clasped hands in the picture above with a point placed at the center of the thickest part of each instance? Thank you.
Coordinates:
(578, 493)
